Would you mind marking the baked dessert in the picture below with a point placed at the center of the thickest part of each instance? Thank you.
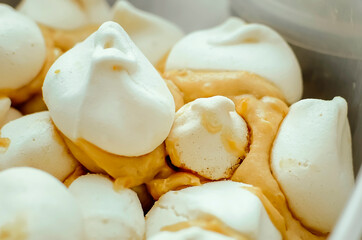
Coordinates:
(35, 205)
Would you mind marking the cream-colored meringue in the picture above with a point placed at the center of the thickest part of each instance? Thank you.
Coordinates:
(237, 46)
(22, 51)
(34, 142)
(193, 233)
(153, 35)
(7, 113)
(312, 161)
(108, 214)
(36, 206)
(106, 92)
(66, 14)
(208, 137)
(228, 201)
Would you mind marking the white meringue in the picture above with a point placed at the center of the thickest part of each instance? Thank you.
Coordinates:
(108, 214)
(208, 137)
(312, 161)
(106, 92)
(36, 206)
(152, 34)
(22, 51)
(237, 46)
(34, 142)
(7, 113)
(193, 233)
(228, 201)
(66, 14)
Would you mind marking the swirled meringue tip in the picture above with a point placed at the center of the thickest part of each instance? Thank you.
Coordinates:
(106, 92)
(230, 202)
(35, 205)
(32, 141)
(192, 233)
(237, 46)
(22, 51)
(78, 13)
(108, 214)
(208, 137)
(154, 35)
(312, 161)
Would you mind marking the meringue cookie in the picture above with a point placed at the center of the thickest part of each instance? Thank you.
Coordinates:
(152, 34)
(22, 51)
(312, 161)
(229, 201)
(36, 206)
(78, 13)
(7, 113)
(33, 141)
(193, 233)
(208, 137)
(237, 46)
(106, 92)
(108, 214)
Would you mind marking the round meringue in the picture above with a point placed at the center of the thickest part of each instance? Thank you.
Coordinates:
(152, 34)
(32, 141)
(78, 12)
(229, 201)
(208, 137)
(7, 113)
(193, 233)
(237, 46)
(108, 214)
(106, 92)
(22, 51)
(312, 161)
(36, 206)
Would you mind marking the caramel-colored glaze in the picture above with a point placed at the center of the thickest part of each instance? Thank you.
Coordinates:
(66, 39)
(15, 230)
(33, 105)
(161, 65)
(210, 223)
(159, 186)
(4, 144)
(177, 95)
(22, 94)
(79, 171)
(264, 117)
(201, 84)
(128, 171)
(276, 218)
(144, 196)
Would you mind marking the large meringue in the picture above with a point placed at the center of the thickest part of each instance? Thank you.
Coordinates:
(32, 141)
(22, 51)
(312, 161)
(237, 46)
(106, 92)
(66, 14)
(108, 214)
(208, 137)
(228, 201)
(36, 206)
(152, 34)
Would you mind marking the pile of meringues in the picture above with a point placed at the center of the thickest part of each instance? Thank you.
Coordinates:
(124, 115)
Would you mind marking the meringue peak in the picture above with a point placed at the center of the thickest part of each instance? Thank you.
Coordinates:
(119, 101)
